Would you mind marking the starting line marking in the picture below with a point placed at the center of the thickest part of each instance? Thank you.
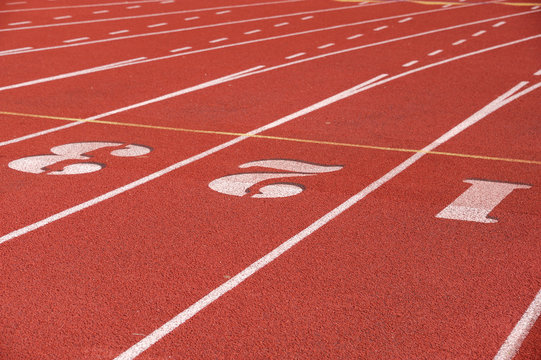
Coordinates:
(270, 137)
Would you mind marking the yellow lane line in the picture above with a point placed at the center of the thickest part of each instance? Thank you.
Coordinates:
(269, 137)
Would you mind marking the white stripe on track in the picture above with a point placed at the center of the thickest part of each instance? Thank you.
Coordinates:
(355, 90)
(230, 284)
(150, 15)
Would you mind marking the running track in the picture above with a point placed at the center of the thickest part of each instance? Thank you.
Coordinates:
(274, 179)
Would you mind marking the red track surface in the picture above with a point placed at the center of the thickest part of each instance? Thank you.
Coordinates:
(92, 264)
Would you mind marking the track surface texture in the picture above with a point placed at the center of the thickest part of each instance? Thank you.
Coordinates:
(272, 179)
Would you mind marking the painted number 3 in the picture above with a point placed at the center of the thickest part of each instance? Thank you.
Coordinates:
(39, 164)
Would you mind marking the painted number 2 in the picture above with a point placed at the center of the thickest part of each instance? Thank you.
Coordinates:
(39, 164)
(243, 184)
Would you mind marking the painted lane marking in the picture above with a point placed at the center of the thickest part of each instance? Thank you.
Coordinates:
(167, 2)
(462, 41)
(191, 18)
(538, 72)
(435, 52)
(281, 24)
(405, 20)
(408, 64)
(381, 28)
(252, 32)
(535, 7)
(510, 347)
(479, 200)
(232, 283)
(16, 3)
(118, 32)
(498, 24)
(177, 12)
(307, 17)
(62, 17)
(181, 49)
(295, 55)
(156, 25)
(479, 33)
(20, 23)
(222, 12)
(76, 6)
(100, 12)
(218, 40)
(354, 36)
(76, 39)
(446, 6)
(325, 46)
(133, 7)
(15, 50)
(72, 74)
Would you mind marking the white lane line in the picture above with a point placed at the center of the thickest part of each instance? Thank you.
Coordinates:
(218, 40)
(356, 48)
(462, 41)
(133, 7)
(535, 7)
(62, 17)
(252, 31)
(281, 24)
(76, 6)
(479, 33)
(408, 64)
(156, 25)
(435, 52)
(16, 3)
(100, 12)
(191, 18)
(512, 344)
(72, 74)
(118, 32)
(498, 24)
(169, 12)
(76, 39)
(181, 49)
(295, 55)
(15, 50)
(222, 12)
(167, 2)
(245, 73)
(236, 280)
(538, 72)
(307, 17)
(20, 23)
(354, 36)
(381, 28)
(325, 46)
(405, 20)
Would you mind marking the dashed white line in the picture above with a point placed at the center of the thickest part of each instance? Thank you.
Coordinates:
(354, 36)
(295, 55)
(410, 63)
(459, 42)
(15, 50)
(479, 33)
(252, 31)
(281, 24)
(133, 7)
(222, 12)
(499, 24)
(76, 39)
(62, 17)
(118, 32)
(20, 23)
(405, 20)
(381, 28)
(325, 46)
(100, 12)
(181, 49)
(307, 17)
(156, 25)
(191, 18)
(435, 52)
(217, 40)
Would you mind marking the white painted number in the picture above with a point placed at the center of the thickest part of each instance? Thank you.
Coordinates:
(39, 164)
(241, 184)
(479, 200)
